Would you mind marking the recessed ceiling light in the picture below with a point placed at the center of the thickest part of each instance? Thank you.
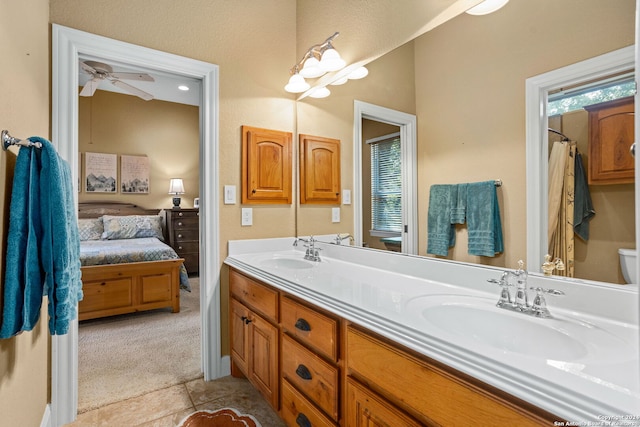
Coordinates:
(183, 87)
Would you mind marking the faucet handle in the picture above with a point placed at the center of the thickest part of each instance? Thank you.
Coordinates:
(553, 292)
(539, 306)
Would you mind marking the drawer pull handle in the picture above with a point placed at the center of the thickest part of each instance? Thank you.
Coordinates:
(180, 247)
(303, 372)
(179, 236)
(303, 325)
(246, 320)
(180, 224)
(180, 214)
(303, 421)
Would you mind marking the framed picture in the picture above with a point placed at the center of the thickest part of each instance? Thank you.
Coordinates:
(134, 174)
(100, 172)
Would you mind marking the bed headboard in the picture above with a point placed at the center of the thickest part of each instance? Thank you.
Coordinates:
(97, 209)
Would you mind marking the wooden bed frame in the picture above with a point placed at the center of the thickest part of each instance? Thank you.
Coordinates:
(127, 288)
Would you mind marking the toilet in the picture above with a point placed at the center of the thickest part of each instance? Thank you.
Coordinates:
(628, 263)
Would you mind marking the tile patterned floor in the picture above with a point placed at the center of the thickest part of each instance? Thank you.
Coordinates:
(167, 407)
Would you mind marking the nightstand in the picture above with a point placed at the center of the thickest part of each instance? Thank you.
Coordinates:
(183, 227)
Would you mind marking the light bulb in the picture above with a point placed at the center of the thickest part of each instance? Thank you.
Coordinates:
(296, 84)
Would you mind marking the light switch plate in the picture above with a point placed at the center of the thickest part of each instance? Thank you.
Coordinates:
(229, 194)
(346, 197)
(335, 214)
(247, 216)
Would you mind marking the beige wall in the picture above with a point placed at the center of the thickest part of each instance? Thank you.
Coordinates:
(167, 133)
(24, 110)
(470, 97)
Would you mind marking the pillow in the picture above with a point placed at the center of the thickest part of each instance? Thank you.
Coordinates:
(132, 227)
(90, 228)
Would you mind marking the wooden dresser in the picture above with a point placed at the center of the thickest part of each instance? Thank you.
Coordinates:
(183, 228)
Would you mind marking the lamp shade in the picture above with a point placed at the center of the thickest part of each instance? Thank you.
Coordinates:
(321, 92)
(331, 60)
(176, 186)
(487, 7)
(358, 73)
(311, 68)
(296, 84)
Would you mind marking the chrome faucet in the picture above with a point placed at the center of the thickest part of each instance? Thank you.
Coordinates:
(520, 301)
(340, 238)
(312, 253)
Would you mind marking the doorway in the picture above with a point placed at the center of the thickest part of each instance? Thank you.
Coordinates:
(406, 125)
(68, 44)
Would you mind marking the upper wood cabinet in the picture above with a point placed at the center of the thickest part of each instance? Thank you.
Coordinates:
(611, 134)
(266, 166)
(319, 170)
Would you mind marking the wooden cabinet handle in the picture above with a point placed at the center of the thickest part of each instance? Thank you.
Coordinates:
(246, 320)
(303, 325)
(303, 421)
(303, 372)
(253, 191)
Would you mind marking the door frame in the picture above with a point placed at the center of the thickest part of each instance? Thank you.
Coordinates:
(68, 44)
(407, 124)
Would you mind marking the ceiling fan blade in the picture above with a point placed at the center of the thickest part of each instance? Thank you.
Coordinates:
(134, 90)
(90, 87)
(133, 76)
(87, 68)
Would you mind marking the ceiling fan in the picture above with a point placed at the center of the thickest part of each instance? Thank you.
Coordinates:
(101, 72)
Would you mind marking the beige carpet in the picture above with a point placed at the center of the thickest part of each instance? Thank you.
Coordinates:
(126, 356)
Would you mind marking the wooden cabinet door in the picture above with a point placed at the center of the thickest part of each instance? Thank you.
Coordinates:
(266, 166)
(239, 337)
(263, 363)
(611, 134)
(319, 170)
(365, 409)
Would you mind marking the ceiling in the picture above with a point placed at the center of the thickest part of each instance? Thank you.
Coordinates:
(163, 88)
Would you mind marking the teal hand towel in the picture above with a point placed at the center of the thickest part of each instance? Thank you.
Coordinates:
(440, 232)
(60, 246)
(459, 204)
(483, 219)
(583, 206)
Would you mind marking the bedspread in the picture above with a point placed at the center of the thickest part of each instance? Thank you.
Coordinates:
(103, 252)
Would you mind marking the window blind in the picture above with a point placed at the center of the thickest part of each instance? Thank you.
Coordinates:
(386, 186)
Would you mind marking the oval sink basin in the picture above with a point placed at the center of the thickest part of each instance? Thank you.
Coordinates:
(478, 320)
(287, 263)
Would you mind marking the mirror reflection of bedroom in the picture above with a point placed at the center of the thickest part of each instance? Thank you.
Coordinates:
(139, 158)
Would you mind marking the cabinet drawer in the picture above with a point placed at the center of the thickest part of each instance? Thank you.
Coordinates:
(187, 247)
(106, 294)
(185, 223)
(298, 411)
(426, 390)
(254, 295)
(186, 235)
(365, 408)
(311, 327)
(314, 377)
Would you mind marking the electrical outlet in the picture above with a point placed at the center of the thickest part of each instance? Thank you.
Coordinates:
(229, 194)
(247, 216)
(335, 214)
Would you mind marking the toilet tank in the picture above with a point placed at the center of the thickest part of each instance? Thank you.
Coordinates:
(628, 264)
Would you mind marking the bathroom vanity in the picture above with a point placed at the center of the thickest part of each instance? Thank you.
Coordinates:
(371, 336)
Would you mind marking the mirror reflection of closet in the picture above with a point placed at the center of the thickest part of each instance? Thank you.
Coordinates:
(589, 254)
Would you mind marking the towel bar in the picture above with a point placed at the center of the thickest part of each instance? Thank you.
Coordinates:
(8, 140)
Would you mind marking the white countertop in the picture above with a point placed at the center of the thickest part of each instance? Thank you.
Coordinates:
(388, 293)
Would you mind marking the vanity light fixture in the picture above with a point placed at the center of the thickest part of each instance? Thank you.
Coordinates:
(316, 62)
(321, 92)
(486, 7)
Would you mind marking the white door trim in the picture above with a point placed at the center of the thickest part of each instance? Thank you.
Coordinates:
(407, 124)
(68, 44)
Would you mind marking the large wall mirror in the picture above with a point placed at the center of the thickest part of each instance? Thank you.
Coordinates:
(465, 83)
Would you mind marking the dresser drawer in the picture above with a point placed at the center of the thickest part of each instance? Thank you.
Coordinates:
(186, 235)
(185, 223)
(314, 377)
(298, 411)
(257, 296)
(311, 327)
(187, 248)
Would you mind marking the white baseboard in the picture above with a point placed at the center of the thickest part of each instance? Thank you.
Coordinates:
(225, 366)
(46, 417)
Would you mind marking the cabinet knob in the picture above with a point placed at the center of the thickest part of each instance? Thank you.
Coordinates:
(253, 191)
(180, 214)
(303, 325)
(180, 247)
(180, 223)
(303, 372)
(303, 421)
(180, 235)
(632, 149)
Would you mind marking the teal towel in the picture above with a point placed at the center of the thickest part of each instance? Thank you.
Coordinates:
(22, 297)
(440, 231)
(43, 251)
(60, 247)
(483, 219)
(459, 204)
(583, 206)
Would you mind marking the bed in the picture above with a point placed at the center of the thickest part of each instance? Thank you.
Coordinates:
(126, 266)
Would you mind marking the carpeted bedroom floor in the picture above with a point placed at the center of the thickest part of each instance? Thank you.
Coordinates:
(121, 357)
